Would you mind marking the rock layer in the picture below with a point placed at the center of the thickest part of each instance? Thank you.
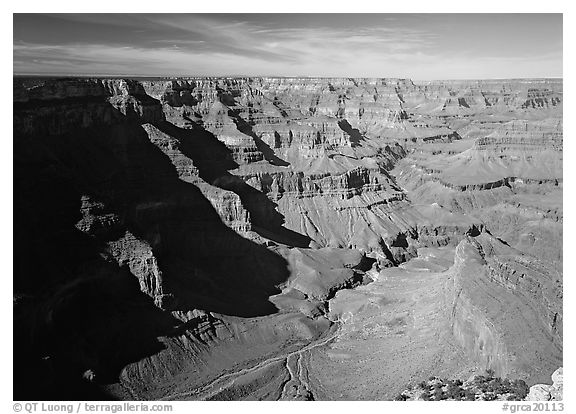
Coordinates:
(251, 232)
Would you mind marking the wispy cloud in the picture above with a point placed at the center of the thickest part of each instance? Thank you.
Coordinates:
(211, 45)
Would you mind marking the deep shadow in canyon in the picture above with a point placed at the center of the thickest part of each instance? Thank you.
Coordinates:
(214, 160)
(77, 312)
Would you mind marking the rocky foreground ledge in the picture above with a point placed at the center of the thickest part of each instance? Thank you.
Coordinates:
(485, 387)
(545, 392)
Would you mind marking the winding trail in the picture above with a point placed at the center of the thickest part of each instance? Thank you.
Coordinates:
(292, 377)
(227, 380)
(303, 381)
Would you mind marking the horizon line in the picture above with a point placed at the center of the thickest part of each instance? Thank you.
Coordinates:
(119, 76)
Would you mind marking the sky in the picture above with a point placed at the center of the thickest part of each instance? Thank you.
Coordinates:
(416, 46)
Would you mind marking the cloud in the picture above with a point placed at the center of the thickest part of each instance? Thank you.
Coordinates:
(292, 44)
(208, 45)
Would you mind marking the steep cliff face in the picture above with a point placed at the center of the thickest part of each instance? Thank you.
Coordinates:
(494, 289)
(252, 211)
(55, 108)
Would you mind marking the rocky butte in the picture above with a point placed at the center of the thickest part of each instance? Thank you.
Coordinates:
(284, 238)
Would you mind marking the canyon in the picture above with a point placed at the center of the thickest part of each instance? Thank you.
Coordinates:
(284, 238)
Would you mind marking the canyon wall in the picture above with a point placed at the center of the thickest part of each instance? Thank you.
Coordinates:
(219, 220)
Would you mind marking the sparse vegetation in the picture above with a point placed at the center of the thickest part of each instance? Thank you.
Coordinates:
(469, 395)
(485, 387)
(426, 396)
(454, 392)
(490, 396)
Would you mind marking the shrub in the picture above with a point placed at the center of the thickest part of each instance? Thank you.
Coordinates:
(482, 386)
(495, 385)
(503, 386)
(454, 391)
(520, 389)
(440, 396)
(458, 382)
(490, 396)
(400, 397)
(469, 395)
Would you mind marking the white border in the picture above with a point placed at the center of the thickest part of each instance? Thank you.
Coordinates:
(308, 6)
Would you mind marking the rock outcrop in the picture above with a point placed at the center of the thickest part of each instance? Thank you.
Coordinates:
(544, 392)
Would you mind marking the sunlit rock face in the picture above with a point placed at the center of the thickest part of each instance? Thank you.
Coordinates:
(284, 238)
(549, 392)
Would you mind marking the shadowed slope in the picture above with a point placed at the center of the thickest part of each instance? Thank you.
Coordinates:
(207, 152)
(76, 308)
